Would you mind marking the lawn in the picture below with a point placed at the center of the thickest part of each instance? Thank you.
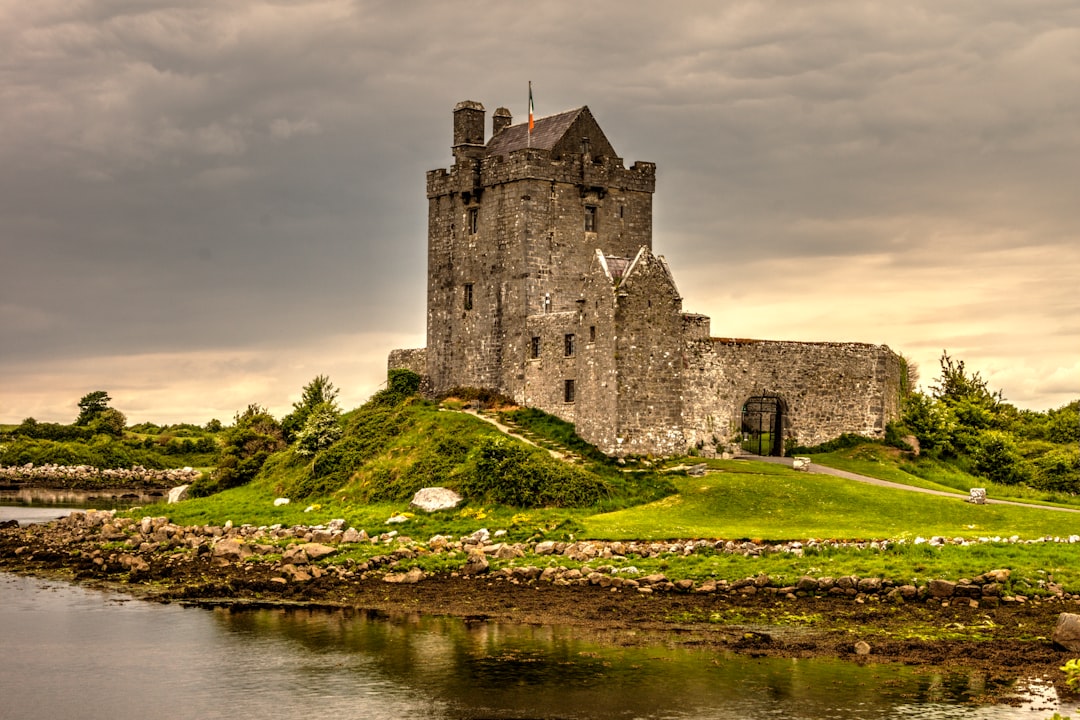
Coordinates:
(745, 499)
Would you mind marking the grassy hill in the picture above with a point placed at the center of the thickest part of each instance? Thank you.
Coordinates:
(398, 443)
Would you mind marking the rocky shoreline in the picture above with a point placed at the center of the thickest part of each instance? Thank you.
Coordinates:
(990, 625)
(87, 477)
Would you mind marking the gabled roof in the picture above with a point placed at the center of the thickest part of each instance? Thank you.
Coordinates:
(616, 266)
(547, 133)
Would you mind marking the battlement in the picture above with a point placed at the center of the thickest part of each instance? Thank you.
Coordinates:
(538, 164)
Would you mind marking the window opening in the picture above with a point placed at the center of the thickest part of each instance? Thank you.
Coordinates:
(468, 296)
(568, 391)
(474, 220)
(592, 333)
(568, 345)
(590, 218)
(534, 347)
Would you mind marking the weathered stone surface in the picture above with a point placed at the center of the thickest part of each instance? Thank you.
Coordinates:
(178, 494)
(862, 648)
(317, 551)
(433, 499)
(1067, 632)
(476, 564)
(977, 496)
(411, 577)
(942, 588)
(231, 550)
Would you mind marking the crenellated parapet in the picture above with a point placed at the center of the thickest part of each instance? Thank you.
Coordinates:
(604, 173)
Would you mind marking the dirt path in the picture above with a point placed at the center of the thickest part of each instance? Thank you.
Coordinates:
(512, 432)
(824, 470)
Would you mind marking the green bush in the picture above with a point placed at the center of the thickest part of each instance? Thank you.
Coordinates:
(996, 457)
(511, 473)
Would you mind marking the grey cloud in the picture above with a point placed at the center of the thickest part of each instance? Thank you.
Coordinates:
(211, 175)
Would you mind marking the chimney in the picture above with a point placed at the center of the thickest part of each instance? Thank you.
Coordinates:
(501, 119)
(468, 130)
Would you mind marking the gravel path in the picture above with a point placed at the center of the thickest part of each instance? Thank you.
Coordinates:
(823, 470)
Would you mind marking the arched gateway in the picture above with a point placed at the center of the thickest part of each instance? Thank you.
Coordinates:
(762, 425)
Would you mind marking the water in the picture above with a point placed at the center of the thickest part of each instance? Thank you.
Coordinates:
(70, 651)
(37, 505)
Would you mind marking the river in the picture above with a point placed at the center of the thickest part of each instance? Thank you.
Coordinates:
(72, 651)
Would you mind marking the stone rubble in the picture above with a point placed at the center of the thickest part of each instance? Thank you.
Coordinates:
(69, 476)
(119, 544)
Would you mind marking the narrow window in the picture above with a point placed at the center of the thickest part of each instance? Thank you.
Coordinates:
(592, 333)
(474, 220)
(534, 347)
(468, 296)
(568, 391)
(568, 344)
(590, 218)
(621, 211)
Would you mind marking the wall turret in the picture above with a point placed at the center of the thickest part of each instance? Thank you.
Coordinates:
(468, 130)
(501, 119)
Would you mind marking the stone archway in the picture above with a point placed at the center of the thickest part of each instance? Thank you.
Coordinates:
(762, 424)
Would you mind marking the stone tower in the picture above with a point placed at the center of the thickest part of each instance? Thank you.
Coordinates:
(513, 226)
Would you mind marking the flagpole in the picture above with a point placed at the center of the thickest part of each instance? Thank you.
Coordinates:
(530, 114)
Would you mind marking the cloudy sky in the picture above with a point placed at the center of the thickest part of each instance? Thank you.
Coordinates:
(204, 204)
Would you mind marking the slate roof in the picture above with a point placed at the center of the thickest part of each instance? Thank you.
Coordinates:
(617, 266)
(547, 131)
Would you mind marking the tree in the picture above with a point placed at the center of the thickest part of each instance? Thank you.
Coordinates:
(91, 405)
(109, 421)
(254, 437)
(321, 429)
(320, 391)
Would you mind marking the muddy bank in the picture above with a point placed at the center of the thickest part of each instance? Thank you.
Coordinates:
(496, 581)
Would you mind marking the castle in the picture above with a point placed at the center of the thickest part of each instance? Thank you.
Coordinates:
(543, 286)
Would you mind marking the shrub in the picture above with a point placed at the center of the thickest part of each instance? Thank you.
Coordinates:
(996, 457)
(510, 473)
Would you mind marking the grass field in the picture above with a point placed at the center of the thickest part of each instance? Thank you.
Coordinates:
(746, 499)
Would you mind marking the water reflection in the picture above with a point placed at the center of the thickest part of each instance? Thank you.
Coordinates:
(501, 670)
(89, 654)
(38, 505)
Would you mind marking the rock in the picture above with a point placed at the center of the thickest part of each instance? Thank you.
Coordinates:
(9, 524)
(397, 519)
(806, 584)
(800, 463)
(698, 470)
(407, 578)
(231, 551)
(942, 588)
(508, 552)
(476, 564)
(433, 499)
(294, 555)
(1067, 632)
(862, 648)
(295, 574)
(977, 496)
(177, 494)
(317, 551)
(281, 501)
(546, 547)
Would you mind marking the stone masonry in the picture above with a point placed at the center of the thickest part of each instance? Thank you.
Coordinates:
(542, 285)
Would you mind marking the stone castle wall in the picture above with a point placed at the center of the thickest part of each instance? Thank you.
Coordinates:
(827, 388)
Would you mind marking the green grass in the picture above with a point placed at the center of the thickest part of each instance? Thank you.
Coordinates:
(757, 500)
(885, 463)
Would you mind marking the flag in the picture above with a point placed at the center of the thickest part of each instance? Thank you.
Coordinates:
(531, 123)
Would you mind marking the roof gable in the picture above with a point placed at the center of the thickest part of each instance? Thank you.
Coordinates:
(561, 133)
